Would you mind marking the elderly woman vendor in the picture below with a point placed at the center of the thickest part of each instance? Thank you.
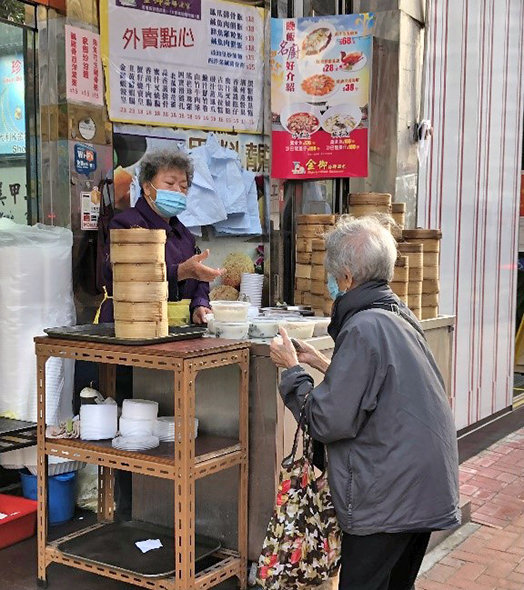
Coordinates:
(165, 178)
(381, 411)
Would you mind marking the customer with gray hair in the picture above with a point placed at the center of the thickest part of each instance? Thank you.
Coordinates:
(165, 178)
(381, 411)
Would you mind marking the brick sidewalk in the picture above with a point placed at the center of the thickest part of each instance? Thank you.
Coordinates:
(492, 558)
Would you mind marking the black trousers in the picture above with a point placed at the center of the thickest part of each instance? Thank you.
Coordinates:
(384, 561)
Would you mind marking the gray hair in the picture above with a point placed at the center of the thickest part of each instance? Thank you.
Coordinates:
(362, 246)
(151, 163)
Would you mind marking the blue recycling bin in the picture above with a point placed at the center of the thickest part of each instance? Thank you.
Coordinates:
(60, 494)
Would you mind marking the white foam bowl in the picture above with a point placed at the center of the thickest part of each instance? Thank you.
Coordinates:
(98, 421)
(133, 427)
(230, 311)
(140, 409)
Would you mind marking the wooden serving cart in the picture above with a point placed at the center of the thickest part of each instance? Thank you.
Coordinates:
(183, 461)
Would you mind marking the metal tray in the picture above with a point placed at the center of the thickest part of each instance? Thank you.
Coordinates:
(16, 434)
(114, 545)
(105, 333)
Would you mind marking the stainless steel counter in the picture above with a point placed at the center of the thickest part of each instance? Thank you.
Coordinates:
(270, 437)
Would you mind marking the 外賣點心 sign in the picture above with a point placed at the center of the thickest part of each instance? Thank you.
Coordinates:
(320, 81)
(202, 68)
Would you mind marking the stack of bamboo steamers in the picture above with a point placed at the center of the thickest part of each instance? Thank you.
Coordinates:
(140, 288)
(310, 274)
(416, 276)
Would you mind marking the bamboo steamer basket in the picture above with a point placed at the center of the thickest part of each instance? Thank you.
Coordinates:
(151, 311)
(400, 288)
(136, 253)
(318, 257)
(431, 273)
(306, 298)
(304, 245)
(414, 251)
(140, 292)
(139, 272)
(430, 238)
(416, 274)
(310, 231)
(304, 257)
(414, 287)
(431, 258)
(318, 245)
(415, 304)
(361, 204)
(318, 273)
(137, 330)
(429, 312)
(401, 270)
(322, 219)
(138, 235)
(318, 287)
(430, 299)
(430, 286)
(398, 211)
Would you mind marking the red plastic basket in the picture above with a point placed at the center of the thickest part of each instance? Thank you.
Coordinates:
(20, 522)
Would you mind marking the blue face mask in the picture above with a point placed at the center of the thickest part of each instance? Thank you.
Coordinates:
(333, 287)
(169, 203)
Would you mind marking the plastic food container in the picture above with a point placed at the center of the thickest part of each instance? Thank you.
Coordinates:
(230, 311)
(140, 409)
(178, 312)
(133, 427)
(263, 327)
(233, 330)
(210, 321)
(19, 521)
(321, 326)
(301, 329)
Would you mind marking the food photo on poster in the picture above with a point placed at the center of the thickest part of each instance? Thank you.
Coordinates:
(320, 80)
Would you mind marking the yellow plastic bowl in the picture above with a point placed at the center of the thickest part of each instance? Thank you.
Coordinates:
(178, 312)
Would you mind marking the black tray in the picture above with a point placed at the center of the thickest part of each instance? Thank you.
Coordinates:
(16, 434)
(106, 333)
(114, 545)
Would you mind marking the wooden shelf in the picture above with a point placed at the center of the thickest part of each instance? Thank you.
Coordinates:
(212, 454)
(183, 461)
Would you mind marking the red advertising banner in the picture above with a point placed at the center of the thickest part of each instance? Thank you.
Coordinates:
(320, 80)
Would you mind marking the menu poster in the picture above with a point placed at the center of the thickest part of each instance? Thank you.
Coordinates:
(203, 69)
(12, 105)
(83, 66)
(320, 81)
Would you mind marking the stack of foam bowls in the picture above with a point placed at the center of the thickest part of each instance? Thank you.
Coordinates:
(164, 428)
(136, 425)
(251, 285)
(98, 421)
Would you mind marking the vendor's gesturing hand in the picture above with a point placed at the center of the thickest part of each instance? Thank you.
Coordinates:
(193, 268)
(199, 314)
(282, 351)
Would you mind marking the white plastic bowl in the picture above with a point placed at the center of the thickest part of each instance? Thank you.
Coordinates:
(230, 311)
(263, 327)
(234, 330)
(299, 328)
(321, 326)
(210, 321)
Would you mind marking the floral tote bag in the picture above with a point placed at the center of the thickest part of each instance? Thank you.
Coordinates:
(302, 544)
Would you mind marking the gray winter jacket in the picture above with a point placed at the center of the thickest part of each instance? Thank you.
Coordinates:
(383, 414)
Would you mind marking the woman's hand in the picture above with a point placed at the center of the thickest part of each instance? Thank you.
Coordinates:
(282, 351)
(311, 356)
(199, 314)
(193, 268)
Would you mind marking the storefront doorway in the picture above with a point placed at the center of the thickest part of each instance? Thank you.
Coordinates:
(18, 108)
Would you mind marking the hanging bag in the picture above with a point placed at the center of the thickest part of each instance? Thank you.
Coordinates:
(302, 544)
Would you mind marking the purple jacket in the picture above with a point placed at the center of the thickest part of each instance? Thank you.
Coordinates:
(180, 246)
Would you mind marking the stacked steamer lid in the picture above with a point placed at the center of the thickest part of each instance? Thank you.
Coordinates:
(413, 252)
(310, 274)
(362, 204)
(430, 240)
(140, 288)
